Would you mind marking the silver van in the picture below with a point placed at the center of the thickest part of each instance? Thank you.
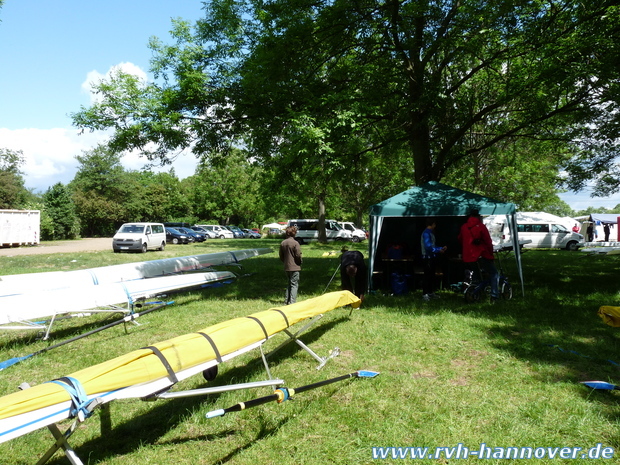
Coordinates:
(307, 230)
(140, 237)
(538, 230)
(218, 231)
(357, 234)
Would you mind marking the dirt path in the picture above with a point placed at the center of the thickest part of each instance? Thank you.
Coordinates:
(79, 245)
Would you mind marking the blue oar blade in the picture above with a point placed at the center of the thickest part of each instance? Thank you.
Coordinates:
(367, 374)
(13, 361)
(600, 385)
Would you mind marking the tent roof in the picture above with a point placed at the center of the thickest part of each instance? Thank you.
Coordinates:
(436, 199)
(609, 218)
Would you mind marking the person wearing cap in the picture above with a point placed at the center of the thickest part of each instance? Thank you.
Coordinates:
(478, 248)
(353, 273)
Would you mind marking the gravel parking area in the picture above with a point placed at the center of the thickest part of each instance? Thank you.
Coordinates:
(79, 245)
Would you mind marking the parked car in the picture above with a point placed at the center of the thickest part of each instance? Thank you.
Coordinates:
(357, 234)
(250, 234)
(275, 232)
(175, 236)
(219, 231)
(534, 230)
(307, 230)
(236, 230)
(139, 237)
(208, 234)
(196, 235)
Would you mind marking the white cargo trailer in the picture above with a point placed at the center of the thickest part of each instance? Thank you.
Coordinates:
(19, 227)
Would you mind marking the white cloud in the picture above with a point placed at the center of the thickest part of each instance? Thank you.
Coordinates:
(94, 77)
(50, 153)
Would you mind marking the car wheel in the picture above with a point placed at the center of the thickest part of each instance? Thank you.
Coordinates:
(163, 246)
(222, 236)
(144, 248)
(572, 245)
(117, 250)
(175, 240)
(355, 239)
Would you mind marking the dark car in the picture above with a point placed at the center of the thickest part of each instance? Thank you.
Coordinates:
(175, 236)
(251, 234)
(197, 235)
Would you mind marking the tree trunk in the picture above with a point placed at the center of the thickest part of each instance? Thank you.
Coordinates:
(321, 225)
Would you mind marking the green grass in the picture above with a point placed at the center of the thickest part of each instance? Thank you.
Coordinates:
(451, 372)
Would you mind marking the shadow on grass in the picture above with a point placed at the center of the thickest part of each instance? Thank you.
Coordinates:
(168, 414)
(555, 326)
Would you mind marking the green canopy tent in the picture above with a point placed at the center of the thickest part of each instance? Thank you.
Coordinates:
(401, 219)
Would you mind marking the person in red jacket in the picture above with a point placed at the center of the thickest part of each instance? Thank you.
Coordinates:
(478, 248)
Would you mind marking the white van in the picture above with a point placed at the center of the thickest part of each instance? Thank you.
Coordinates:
(357, 235)
(307, 230)
(140, 236)
(218, 231)
(542, 229)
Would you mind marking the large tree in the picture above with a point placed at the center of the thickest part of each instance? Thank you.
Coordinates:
(312, 86)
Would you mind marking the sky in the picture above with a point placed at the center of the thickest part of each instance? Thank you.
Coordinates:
(49, 53)
(51, 50)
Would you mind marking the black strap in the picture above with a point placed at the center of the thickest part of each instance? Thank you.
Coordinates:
(218, 357)
(164, 362)
(283, 315)
(260, 324)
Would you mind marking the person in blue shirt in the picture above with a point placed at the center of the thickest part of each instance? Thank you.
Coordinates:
(430, 252)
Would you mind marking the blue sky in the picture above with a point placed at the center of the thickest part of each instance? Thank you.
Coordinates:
(52, 49)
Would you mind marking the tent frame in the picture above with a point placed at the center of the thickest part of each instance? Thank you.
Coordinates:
(484, 205)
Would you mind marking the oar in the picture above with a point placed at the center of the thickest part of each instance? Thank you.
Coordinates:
(601, 385)
(283, 394)
(133, 316)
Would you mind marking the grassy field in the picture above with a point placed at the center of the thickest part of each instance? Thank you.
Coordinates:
(506, 375)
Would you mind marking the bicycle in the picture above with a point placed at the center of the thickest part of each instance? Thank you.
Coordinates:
(474, 289)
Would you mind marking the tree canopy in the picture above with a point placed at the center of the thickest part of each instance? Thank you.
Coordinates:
(321, 83)
(13, 194)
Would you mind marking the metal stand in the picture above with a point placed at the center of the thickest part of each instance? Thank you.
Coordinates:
(62, 438)
(293, 337)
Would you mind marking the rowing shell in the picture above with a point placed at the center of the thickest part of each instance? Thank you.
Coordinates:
(152, 369)
(36, 282)
(45, 304)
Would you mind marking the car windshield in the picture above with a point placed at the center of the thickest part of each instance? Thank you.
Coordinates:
(132, 228)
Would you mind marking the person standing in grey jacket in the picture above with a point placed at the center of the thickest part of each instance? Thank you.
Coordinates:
(290, 254)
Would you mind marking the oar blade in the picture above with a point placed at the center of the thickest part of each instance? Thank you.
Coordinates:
(600, 385)
(13, 361)
(367, 374)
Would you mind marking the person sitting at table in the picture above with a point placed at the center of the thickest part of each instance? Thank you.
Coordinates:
(478, 249)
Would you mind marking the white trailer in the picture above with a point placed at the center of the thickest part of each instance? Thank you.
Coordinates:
(20, 227)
